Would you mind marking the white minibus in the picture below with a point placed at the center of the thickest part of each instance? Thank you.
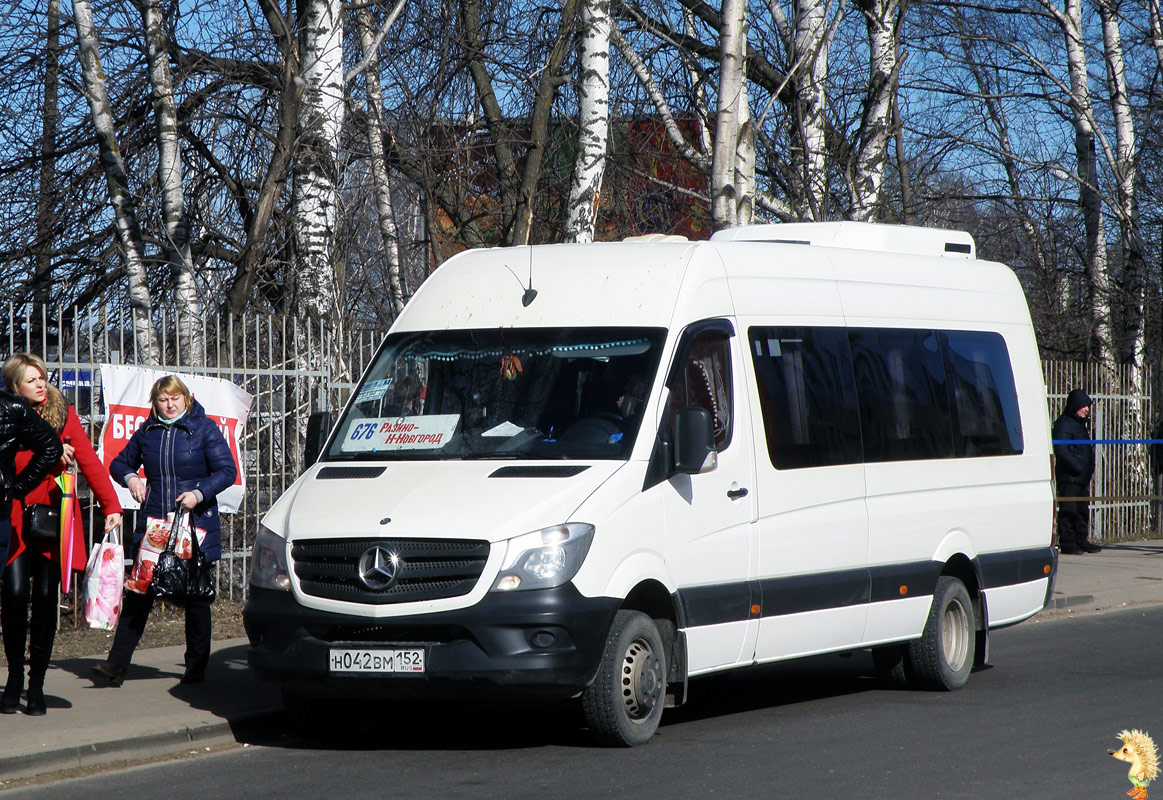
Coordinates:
(598, 471)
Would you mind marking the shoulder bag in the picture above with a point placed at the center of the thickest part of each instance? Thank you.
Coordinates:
(42, 526)
(181, 580)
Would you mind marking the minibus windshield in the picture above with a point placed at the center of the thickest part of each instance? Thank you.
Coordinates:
(502, 393)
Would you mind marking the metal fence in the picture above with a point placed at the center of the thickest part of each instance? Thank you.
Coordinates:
(1124, 485)
(291, 368)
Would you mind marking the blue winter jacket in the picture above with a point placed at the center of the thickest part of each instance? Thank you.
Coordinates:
(189, 455)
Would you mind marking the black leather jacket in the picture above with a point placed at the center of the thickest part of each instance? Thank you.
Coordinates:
(21, 428)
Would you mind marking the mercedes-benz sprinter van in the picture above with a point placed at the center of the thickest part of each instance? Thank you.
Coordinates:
(598, 471)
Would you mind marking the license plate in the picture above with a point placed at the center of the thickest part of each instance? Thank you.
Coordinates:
(410, 659)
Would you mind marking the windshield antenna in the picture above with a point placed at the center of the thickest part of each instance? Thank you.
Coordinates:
(530, 293)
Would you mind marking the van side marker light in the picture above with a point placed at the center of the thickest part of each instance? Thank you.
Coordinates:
(1045, 569)
(755, 609)
(904, 590)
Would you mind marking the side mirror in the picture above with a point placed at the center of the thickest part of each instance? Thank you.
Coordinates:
(694, 441)
(318, 427)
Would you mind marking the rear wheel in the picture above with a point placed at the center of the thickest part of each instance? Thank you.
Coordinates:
(624, 704)
(943, 657)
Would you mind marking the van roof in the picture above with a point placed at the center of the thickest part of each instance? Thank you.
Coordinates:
(858, 236)
(655, 281)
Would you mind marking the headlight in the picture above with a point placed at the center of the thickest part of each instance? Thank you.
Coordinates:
(545, 558)
(268, 562)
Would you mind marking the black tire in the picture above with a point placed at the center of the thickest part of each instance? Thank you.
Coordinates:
(624, 704)
(943, 657)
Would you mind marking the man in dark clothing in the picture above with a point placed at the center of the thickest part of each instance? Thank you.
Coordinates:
(22, 428)
(1073, 469)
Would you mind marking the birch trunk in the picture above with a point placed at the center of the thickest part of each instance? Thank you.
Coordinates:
(1125, 169)
(315, 195)
(745, 156)
(117, 184)
(1131, 345)
(46, 192)
(732, 48)
(385, 214)
(871, 154)
(191, 345)
(593, 122)
(811, 41)
(1088, 194)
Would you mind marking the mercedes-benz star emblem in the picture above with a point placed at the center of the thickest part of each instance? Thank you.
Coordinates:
(377, 568)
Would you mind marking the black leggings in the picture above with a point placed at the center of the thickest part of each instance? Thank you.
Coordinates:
(31, 579)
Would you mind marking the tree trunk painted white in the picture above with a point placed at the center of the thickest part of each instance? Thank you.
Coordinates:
(385, 214)
(871, 152)
(1131, 344)
(732, 47)
(315, 195)
(593, 122)
(117, 184)
(191, 344)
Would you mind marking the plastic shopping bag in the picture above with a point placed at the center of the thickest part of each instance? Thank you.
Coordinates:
(157, 536)
(102, 585)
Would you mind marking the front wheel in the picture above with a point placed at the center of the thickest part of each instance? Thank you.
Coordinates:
(624, 704)
(943, 657)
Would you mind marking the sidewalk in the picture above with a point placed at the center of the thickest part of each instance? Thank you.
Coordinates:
(89, 723)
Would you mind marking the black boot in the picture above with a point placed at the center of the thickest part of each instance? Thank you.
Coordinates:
(10, 700)
(43, 631)
(14, 620)
(36, 706)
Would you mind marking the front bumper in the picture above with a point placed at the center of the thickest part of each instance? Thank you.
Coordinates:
(544, 642)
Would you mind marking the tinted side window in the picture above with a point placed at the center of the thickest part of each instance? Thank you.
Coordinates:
(807, 396)
(904, 407)
(985, 401)
(704, 380)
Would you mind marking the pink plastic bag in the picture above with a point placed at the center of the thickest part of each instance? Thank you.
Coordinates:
(103, 579)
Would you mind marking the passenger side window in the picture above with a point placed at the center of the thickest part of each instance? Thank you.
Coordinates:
(806, 395)
(704, 381)
(904, 406)
(985, 400)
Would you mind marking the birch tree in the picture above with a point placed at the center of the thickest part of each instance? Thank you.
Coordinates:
(870, 154)
(47, 189)
(593, 121)
(811, 39)
(117, 184)
(315, 196)
(1125, 168)
(731, 113)
(385, 214)
(176, 242)
(1069, 19)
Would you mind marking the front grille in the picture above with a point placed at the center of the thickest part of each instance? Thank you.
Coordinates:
(387, 634)
(428, 569)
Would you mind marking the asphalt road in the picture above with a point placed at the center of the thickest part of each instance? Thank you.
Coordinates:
(1038, 723)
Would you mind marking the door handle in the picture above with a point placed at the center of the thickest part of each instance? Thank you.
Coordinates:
(735, 494)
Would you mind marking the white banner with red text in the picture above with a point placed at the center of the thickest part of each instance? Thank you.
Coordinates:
(125, 392)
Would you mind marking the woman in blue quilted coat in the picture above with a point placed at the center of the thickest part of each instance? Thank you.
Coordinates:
(187, 462)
